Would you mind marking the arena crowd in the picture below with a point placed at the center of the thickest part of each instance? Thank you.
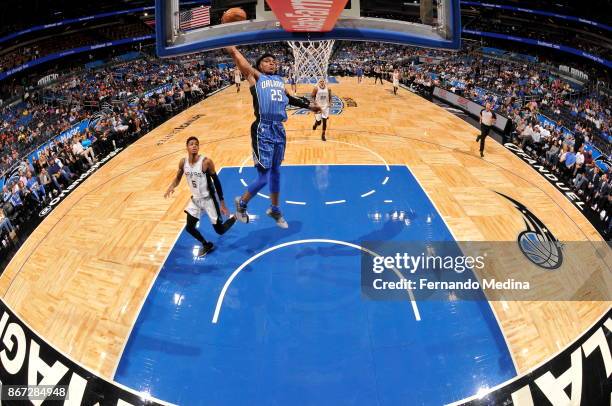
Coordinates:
(123, 101)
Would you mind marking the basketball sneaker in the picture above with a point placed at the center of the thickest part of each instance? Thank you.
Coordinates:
(241, 213)
(278, 217)
(206, 248)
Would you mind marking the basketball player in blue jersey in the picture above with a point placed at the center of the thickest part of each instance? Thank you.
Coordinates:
(268, 139)
(206, 194)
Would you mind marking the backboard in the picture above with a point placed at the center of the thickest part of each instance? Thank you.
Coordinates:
(428, 23)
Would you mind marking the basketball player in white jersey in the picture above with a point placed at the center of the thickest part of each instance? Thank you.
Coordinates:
(206, 194)
(237, 79)
(322, 97)
(396, 79)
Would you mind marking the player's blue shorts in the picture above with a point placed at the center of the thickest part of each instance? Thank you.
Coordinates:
(268, 139)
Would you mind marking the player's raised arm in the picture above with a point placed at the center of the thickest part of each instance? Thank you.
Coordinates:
(176, 180)
(250, 73)
(208, 166)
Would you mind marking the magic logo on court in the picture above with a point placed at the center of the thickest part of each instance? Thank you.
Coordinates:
(537, 243)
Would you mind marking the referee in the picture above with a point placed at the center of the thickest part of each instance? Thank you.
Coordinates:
(377, 74)
(487, 120)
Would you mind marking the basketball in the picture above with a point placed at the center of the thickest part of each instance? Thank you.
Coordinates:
(233, 14)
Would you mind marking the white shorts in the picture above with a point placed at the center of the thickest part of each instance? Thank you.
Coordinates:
(324, 113)
(395, 83)
(237, 81)
(199, 206)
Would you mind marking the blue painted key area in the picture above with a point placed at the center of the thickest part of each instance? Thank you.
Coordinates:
(292, 326)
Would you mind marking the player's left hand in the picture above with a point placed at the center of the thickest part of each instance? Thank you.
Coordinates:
(224, 209)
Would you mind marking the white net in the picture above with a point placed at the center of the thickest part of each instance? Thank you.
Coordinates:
(311, 59)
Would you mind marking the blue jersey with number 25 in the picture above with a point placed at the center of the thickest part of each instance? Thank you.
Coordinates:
(271, 98)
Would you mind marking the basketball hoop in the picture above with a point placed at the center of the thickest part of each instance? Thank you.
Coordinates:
(311, 59)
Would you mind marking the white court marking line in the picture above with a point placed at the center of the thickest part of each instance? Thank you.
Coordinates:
(323, 164)
(244, 161)
(228, 282)
(142, 303)
(335, 202)
(292, 202)
(388, 201)
(365, 148)
(457, 241)
(262, 195)
(533, 368)
(371, 192)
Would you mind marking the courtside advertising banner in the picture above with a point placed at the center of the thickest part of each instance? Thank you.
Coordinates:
(578, 375)
(468, 105)
(33, 372)
(307, 15)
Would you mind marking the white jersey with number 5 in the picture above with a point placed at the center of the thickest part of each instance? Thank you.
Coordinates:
(322, 98)
(196, 178)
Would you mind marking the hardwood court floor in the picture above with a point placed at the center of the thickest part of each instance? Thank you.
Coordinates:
(82, 276)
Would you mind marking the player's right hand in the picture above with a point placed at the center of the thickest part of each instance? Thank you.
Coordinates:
(168, 193)
(315, 107)
(224, 209)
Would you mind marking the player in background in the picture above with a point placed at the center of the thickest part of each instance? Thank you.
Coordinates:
(359, 73)
(237, 79)
(322, 96)
(293, 81)
(268, 138)
(206, 194)
(396, 79)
